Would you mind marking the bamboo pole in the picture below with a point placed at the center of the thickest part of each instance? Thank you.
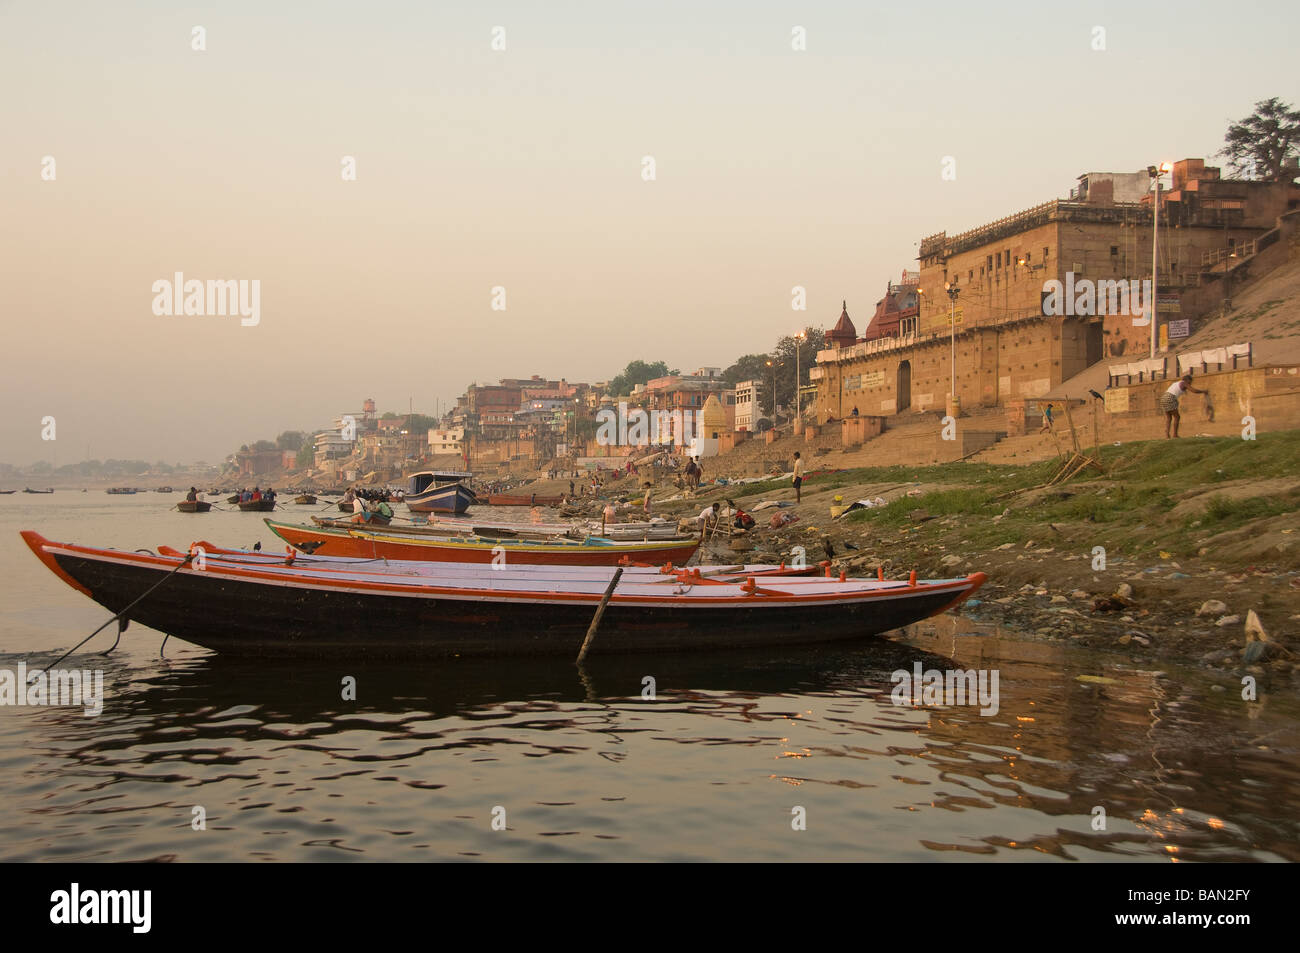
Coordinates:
(600, 611)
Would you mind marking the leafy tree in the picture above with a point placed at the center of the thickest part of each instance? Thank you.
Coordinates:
(1258, 146)
(306, 456)
(637, 372)
(290, 440)
(263, 445)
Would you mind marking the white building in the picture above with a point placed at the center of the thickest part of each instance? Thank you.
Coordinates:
(747, 410)
(447, 441)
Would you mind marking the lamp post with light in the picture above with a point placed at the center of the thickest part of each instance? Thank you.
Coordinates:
(798, 379)
(1155, 173)
(772, 364)
(953, 292)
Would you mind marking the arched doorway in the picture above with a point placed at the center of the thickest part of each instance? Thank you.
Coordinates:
(903, 392)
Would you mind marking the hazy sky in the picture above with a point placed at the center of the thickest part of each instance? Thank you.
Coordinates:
(522, 168)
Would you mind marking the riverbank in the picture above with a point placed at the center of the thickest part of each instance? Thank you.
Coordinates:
(1121, 557)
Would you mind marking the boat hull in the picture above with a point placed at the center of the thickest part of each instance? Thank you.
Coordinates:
(244, 612)
(449, 498)
(258, 506)
(194, 506)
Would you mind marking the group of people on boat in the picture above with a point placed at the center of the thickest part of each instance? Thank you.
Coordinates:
(368, 504)
(255, 494)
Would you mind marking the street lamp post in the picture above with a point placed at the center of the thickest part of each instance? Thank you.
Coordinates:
(953, 292)
(1155, 174)
(798, 379)
(772, 364)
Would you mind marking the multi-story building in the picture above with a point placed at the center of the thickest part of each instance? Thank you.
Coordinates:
(747, 411)
(987, 323)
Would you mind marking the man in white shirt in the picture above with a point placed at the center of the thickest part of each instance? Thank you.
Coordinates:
(798, 477)
(1169, 401)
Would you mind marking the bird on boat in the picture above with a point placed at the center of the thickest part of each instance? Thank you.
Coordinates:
(826, 545)
(257, 547)
(310, 546)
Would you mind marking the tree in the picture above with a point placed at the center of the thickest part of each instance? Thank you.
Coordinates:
(1258, 146)
(290, 440)
(263, 445)
(306, 457)
(637, 372)
(787, 349)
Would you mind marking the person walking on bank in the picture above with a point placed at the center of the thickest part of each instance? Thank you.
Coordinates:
(798, 477)
(1047, 420)
(1169, 401)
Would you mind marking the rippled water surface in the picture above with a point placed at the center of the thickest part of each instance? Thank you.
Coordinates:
(584, 767)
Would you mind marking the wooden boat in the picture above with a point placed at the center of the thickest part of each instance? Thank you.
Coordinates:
(304, 499)
(257, 506)
(359, 540)
(194, 506)
(7, 492)
(164, 489)
(439, 492)
(252, 604)
(29, 490)
(509, 499)
(121, 491)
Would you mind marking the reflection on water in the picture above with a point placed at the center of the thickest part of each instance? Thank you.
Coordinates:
(586, 768)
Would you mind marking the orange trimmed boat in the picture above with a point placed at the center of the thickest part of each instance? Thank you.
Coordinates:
(361, 542)
(258, 604)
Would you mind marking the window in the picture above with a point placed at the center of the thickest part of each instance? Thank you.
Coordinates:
(999, 259)
(1006, 256)
(990, 263)
(1044, 253)
(970, 275)
(1114, 251)
(1028, 255)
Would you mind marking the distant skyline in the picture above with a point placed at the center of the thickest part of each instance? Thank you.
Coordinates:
(522, 168)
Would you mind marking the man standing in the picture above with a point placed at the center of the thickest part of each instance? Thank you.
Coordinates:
(798, 477)
(1169, 401)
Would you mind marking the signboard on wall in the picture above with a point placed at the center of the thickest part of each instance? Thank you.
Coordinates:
(1168, 304)
(1117, 400)
(1180, 328)
(873, 378)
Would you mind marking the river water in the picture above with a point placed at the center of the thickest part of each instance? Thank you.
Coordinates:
(738, 756)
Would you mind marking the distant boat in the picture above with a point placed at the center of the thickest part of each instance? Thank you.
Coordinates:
(7, 492)
(194, 506)
(30, 490)
(164, 489)
(439, 492)
(121, 491)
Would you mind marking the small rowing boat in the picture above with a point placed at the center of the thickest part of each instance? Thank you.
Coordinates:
(253, 604)
(257, 506)
(30, 490)
(304, 499)
(194, 506)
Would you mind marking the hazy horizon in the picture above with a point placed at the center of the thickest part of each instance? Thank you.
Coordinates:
(522, 168)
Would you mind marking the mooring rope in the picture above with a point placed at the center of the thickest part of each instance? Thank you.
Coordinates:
(181, 565)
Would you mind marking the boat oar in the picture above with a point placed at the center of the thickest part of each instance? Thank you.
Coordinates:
(600, 611)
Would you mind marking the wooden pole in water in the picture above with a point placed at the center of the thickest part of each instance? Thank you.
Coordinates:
(600, 611)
